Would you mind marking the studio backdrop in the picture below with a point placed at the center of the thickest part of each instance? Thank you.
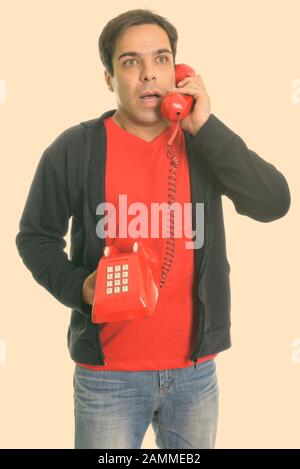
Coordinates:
(51, 77)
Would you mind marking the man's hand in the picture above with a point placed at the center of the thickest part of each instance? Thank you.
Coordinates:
(88, 288)
(202, 108)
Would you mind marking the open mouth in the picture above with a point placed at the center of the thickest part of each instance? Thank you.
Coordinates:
(151, 97)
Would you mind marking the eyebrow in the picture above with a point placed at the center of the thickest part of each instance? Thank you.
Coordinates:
(136, 54)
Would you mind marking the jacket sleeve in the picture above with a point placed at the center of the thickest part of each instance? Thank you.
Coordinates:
(40, 240)
(256, 188)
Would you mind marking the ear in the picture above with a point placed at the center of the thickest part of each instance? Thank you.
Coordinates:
(108, 80)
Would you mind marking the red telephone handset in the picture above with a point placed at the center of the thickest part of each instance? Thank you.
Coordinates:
(174, 104)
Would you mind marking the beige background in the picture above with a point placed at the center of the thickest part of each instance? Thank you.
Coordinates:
(247, 53)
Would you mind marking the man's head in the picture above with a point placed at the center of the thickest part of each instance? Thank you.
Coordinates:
(151, 41)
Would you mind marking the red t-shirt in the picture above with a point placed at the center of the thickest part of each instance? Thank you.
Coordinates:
(164, 340)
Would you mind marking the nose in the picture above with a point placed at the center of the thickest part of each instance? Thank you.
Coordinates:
(148, 77)
(148, 73)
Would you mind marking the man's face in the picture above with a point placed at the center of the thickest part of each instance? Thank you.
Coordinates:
(145, 70)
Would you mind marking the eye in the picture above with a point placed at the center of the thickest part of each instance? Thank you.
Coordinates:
(128, 60)
(163, 57)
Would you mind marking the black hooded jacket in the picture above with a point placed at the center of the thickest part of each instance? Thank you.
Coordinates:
(69, 183)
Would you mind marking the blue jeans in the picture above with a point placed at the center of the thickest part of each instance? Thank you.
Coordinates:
(113, 409)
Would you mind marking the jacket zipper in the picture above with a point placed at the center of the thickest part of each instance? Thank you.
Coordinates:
(100, 347)
(201, 272)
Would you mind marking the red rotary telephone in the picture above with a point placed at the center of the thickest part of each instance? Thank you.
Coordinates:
(129, 275)
(176, 105)
(126, 282)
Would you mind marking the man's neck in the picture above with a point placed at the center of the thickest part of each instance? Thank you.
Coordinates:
(145, 133)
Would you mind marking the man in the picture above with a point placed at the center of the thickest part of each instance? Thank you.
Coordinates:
(131, 373)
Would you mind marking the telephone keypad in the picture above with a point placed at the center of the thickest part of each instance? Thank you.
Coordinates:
(114, 274)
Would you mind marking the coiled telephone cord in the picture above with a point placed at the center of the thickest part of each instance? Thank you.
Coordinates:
(170, 241)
